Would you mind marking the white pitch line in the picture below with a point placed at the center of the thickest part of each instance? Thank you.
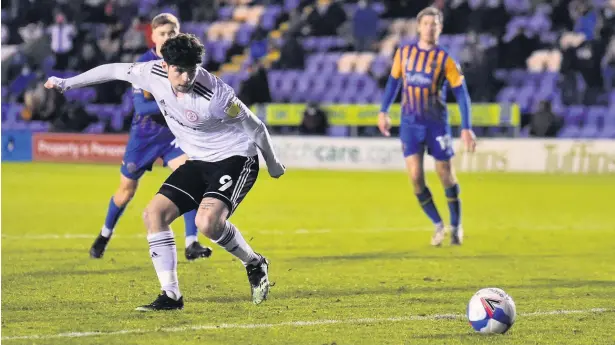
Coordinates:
(280, 232)
(262, 232)
(292, 324)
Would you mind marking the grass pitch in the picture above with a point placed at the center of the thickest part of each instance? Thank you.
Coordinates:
(350, 258)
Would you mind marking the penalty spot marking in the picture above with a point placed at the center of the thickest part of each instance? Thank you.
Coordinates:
(325, 322)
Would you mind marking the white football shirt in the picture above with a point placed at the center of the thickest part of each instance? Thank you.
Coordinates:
(203, 120)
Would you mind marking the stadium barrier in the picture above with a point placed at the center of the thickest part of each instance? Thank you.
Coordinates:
(483, 114)
(493, 155)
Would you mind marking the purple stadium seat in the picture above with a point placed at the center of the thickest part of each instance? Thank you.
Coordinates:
(84, 95)
(225, 12)
(269, 17)
(39, 126)
(13, 113)
(517, 6)
(338, 131)
(570, 132)
(95, 128)
(608, 132)
(244, 34)
(290, 5)
(575, 115)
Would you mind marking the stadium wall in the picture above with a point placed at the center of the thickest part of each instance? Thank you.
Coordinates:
(493, 155)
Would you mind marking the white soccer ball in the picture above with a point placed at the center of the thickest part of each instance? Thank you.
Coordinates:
(491, 310)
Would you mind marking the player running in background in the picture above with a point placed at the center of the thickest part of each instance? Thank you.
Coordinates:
(220, 135)
(424, 69)
(150, 139)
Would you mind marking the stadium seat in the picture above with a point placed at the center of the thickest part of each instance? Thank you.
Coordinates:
(537, 62)
(364, 62)
(571, 40)
(346, 63)
(388, 45)
(554, 60)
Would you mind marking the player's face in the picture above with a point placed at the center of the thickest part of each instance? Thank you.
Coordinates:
(162, 33)
(429, 29)
(181, 78)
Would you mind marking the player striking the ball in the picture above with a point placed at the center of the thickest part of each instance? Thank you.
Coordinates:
(220, 135)
(150, 138)
(425, 69)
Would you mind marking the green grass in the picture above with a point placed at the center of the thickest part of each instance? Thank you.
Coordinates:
(343, 246)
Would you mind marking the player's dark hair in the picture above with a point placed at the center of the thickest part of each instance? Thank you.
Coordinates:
(183, 50)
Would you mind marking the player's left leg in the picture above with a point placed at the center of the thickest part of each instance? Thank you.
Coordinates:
(451, 188)
(193, 250)
(440, 146)
(228, 185)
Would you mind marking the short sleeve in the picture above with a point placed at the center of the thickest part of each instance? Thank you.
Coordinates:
(396, 68)
(453, 72)
(225, 105)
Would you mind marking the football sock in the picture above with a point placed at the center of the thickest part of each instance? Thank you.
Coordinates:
(454, 204)
(163, 252)
(113, 214)
(428, 206)
(232, 240)
(191, 230)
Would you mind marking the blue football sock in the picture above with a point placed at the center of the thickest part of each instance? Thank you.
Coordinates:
(454, 204)
(428, 206)
(191, 230)
(113, 215)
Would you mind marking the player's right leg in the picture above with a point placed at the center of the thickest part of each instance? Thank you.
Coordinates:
(177, 195)
(412, 137)
(158, 215)
(174, 158)
(124, 193)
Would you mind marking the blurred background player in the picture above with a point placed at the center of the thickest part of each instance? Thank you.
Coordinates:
(425, 69)
(150, 139)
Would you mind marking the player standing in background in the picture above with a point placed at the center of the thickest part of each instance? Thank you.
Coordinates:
(425, 69)
(220, 135)
(150, 139)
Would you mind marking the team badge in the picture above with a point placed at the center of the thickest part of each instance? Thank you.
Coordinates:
(191, 116)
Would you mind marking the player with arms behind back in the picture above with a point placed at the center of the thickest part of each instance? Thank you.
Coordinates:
(424, 69)
(150, 139)
(220, 135)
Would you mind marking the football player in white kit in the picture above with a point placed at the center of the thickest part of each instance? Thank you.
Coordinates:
(220, 135)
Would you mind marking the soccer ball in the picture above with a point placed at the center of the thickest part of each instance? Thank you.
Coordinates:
(491, 310)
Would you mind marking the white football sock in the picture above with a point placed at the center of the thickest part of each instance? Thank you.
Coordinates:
(106, 232)
(163, 252)
(190, 240)
(232, 240)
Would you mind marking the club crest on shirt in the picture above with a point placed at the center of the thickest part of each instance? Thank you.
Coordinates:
(191, 116)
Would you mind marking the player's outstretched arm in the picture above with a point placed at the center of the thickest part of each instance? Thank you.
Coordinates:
(129, 72)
